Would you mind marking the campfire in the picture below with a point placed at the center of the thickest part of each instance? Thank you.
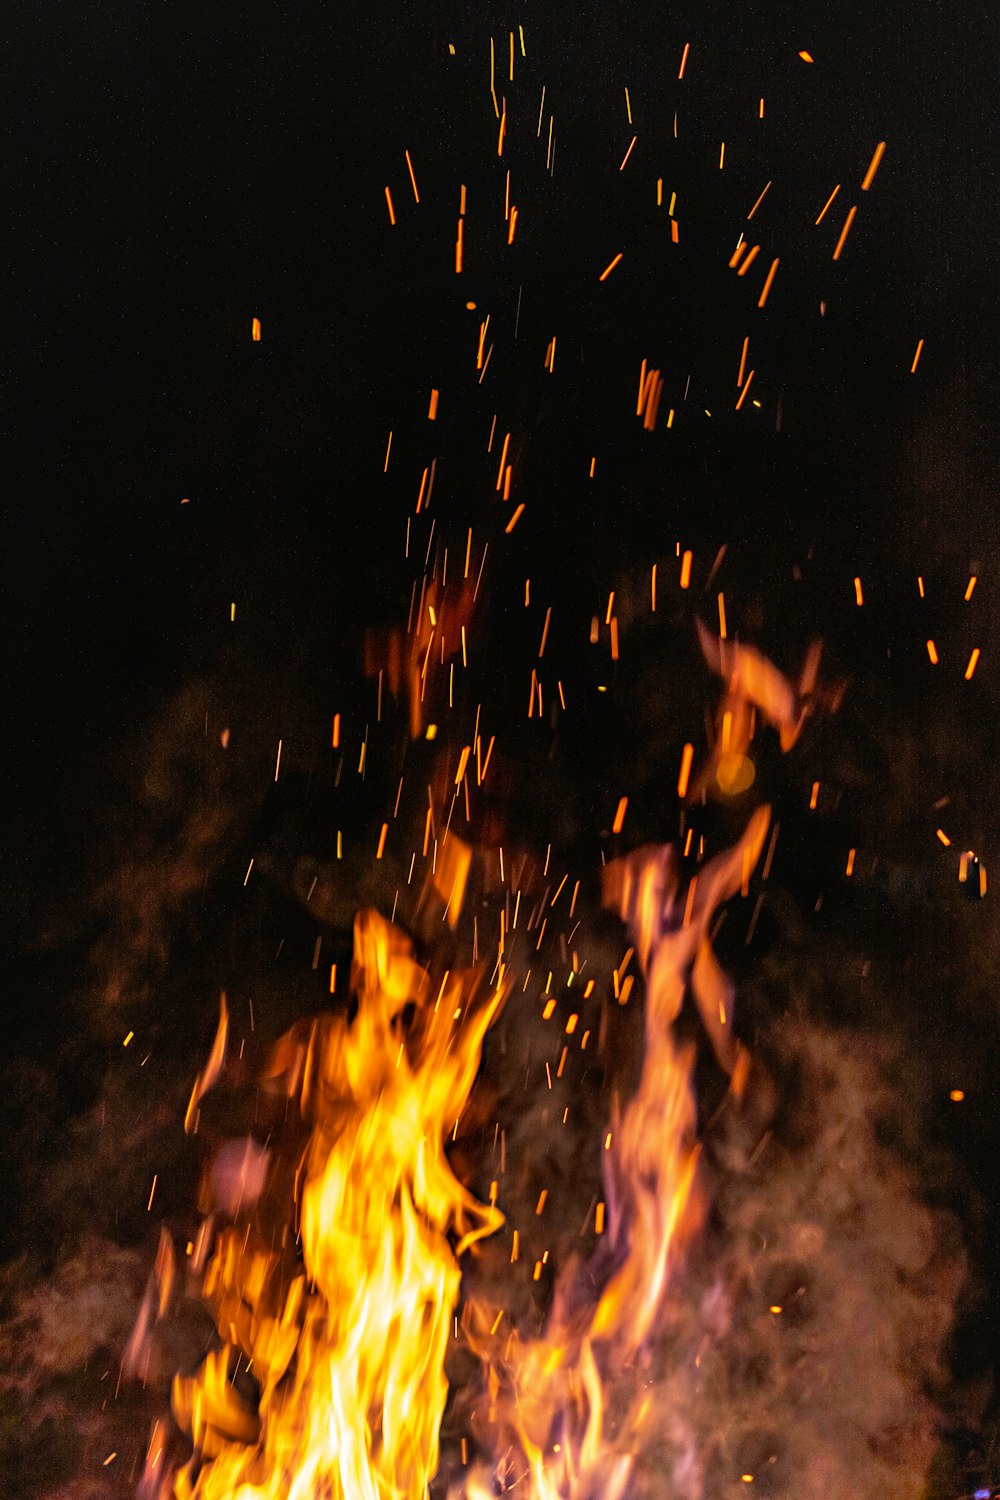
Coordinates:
(523, 1208)
(333, 1266)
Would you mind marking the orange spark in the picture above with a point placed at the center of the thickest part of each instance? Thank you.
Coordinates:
(873, 166)
(845, 231)
(413, 180)
(826, 205)
(743, 393)
(767, 284)
(759, 201)
(687, 756)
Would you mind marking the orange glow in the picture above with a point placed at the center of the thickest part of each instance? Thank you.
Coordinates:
(932, 653)
(349, 1353)
(687, 756)
(873, 166)
(619, 821)
(826, 205)
(973, 661)
(686, 569)
(210, 1073)
(609, 268)
(858, 594)
(845, 232)
(255, 330)
(768, 282)
(745, 265)
(413, 180)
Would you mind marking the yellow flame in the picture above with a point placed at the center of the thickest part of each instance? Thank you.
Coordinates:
(349, 1352)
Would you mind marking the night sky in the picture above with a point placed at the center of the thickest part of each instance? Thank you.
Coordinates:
(175, 171)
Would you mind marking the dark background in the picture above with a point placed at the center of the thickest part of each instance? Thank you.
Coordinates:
(175, 171)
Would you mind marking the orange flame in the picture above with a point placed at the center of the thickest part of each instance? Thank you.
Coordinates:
(348, 1351)
(547, 1396)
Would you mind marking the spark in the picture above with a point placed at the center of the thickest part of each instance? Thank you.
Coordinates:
(413, 180)
(768, 282)
(873, 166)
(845, 231)
(609, 268)
(826, 205)
(759, 201)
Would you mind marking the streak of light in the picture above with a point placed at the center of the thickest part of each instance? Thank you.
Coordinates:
(873, 166)
(845, 231)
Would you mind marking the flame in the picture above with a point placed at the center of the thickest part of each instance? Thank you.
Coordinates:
(551, 1398)
(348, 1349)
(335, 1297)
(329, 1375)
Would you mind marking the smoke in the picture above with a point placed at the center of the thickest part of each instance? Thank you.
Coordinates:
(808, 1340)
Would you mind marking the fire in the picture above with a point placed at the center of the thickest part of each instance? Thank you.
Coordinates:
(348, 1349)
(550, 1398)
(336, 1289)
